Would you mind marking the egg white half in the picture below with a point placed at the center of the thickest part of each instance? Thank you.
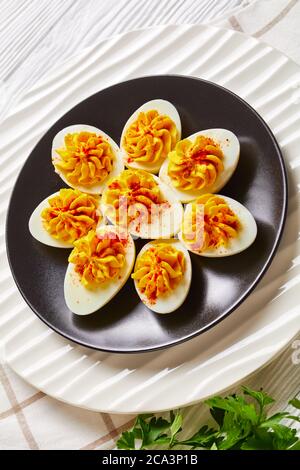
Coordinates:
(171, 301)
(163, 107)
(38, 230)
(83, 301)
(165, 224)
(230, 146)
(246, 235)
(59, 142)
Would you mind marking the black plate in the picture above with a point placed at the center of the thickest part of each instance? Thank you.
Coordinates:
(218, 285)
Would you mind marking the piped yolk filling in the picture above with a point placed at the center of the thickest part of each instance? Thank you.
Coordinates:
(217, 226)
(85, 160)
(133, 195)
(98, 258)
(71, 214)
(159, 270)
(195, 165)
(150, 137)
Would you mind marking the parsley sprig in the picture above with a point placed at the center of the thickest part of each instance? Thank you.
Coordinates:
(241, 422)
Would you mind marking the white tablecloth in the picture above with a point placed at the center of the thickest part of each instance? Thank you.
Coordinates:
(37, 35)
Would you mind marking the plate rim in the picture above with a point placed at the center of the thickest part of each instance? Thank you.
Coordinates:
(240, 300)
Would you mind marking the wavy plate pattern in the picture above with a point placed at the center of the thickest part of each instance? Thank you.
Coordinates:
(259, 328)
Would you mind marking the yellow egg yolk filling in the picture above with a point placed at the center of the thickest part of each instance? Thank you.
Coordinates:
(132, 194)
(217, 225)
(194, 166)
(85, 160)
(159, 270)
(150, 138)
(98, 258)
(71, 214)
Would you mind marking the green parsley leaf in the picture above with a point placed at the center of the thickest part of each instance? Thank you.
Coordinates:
(260, 440)
(261, 398)
(236, 405)
(204, 438)
(240, 424)
(175, 427)
(295, 402)
(126, 441)
(153, 430)
(273, 420)
(284, 437)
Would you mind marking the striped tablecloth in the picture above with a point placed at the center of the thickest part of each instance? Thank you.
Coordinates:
(37, 35)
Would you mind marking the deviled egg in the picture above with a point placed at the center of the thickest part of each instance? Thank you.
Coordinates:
(85, 157)
(64, 217)
(99, 266)
(149, 135)
(201, 163)
(162, 275)
(217, 226)
(143, 204)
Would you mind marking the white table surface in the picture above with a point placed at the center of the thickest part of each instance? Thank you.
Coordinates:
(37, 36)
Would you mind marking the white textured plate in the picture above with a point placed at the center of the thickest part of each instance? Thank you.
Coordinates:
(249, 337)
